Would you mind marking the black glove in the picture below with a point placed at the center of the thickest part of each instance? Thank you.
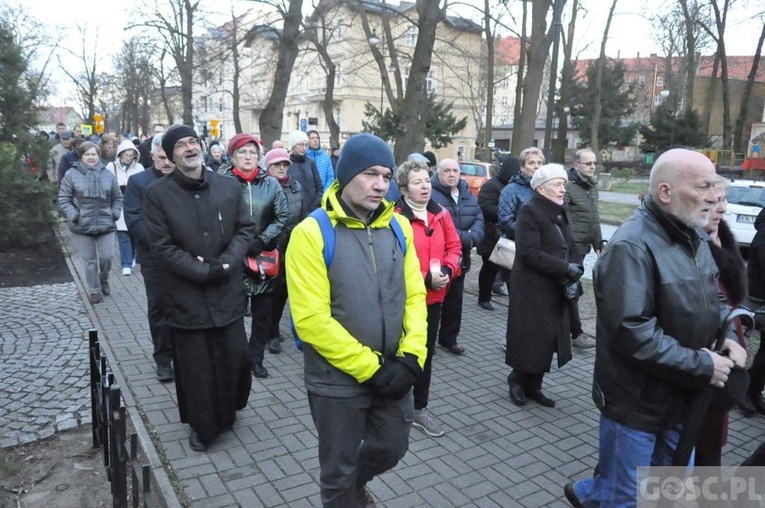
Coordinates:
(574, 272)
(395, 377)
(256, 247)
(217, 272)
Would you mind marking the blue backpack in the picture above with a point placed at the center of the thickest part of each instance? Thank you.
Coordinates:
(328, 235)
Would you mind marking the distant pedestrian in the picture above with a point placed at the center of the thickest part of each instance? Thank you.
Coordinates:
(56, 153)
(322, 160)
(303, 169)
(124, 167)
(199, 232)
(582, 203)
(139, 230)
(91, 199)
(452, 192)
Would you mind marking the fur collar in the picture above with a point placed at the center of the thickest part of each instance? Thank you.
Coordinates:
(731, 264)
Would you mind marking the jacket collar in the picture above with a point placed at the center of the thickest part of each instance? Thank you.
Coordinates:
(404, 209)
(676, 230)
(577, 178)
(521, 180)
(462, 186)
(190, 183)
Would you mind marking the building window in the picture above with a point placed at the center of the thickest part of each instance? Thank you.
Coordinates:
(506, 83)
(641, 79)
(339, 117)
(204, 104)
(406, 77)
(503, 119)
(340, 32)
(429, 85)
(338, 75)
(503, 101)
(410, 38)
(660, 80)
(220, 105)
(460, 152)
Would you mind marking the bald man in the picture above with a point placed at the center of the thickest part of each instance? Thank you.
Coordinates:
(658, 312)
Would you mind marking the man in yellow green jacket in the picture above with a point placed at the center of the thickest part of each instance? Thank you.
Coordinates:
(363, 322)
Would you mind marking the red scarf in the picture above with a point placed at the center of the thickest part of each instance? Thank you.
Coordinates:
(283, 181)
(247, 178)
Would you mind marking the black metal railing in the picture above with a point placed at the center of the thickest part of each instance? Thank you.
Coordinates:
(109, 432)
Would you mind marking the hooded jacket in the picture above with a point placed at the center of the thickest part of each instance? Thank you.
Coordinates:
(512, 197)
(658, 306)
(91, 199)
(466, 215)
(123, 173)
(369, 303)
(488, 201)
(133, 212)
(582, 201)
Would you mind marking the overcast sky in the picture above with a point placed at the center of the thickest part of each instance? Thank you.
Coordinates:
(631, 31)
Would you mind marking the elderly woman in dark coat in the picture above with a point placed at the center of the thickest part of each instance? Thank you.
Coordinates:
(537, 321)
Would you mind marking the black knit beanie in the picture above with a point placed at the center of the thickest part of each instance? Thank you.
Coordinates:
(360, 152)
(172, 135)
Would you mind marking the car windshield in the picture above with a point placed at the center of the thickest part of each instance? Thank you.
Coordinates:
(473, 169)
(746, 196)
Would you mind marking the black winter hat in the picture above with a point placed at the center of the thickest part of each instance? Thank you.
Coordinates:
(172, 135)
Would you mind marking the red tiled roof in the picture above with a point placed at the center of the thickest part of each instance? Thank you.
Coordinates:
(54, 114)
(738, 66)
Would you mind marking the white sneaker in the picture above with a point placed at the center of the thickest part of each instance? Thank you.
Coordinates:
(127, 271)
(426, 422)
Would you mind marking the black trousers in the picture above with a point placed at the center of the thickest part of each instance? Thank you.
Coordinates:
(574, 320)
(530, 381)
(422, 386)
(489, 275)
(280, 300)
(260, 331)
(160, 332)
(757, 370)
(451, 313)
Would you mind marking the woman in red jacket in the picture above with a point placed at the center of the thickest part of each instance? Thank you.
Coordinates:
(440, 251)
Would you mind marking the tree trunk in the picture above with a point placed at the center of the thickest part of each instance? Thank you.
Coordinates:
(706, 119)
(414, 103)
(566, 78)
(519, 77)
(328, 104)
(595, 125)
(487, 137)
(270, 121)
(186, 69)
(738, 135)
(720, 20)
(539, 47)
(690, 49)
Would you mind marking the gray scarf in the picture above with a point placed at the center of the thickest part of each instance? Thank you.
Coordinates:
(93, 173)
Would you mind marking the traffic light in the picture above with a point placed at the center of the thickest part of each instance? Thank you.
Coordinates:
(215, 128)
(98, 120)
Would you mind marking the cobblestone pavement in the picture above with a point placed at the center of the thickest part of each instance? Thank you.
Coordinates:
(44, 367)
(493, 453)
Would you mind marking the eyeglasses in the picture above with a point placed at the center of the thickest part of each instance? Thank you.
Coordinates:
(244, 152)
(587, 163)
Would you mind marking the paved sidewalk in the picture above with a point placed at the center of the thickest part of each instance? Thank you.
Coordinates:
(493, 454)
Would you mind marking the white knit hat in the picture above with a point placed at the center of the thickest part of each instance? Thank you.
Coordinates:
(297, 137)
(548, 172)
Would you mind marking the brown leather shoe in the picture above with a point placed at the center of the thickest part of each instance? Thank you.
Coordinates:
(95, 298)
(105, 289)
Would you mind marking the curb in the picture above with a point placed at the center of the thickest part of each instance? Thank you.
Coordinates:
(162, 488)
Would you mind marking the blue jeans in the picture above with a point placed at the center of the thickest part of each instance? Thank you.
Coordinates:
(127, 250)
(622, 450)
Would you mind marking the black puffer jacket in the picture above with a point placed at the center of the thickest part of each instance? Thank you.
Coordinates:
(466, 215)
(303, 169)
(488, 201)
(297, 209)
(582, 201)
(657, 296)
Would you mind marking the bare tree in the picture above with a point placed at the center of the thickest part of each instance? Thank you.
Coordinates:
(134, 79)
(720, 20)
(738, 135)
(87, 81)
(536, 54)
(595, 125)
(176, 30)
(270, 121)
(566, 79)
(521, 70)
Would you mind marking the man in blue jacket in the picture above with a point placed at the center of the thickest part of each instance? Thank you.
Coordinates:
(322, 160)
(453, 193)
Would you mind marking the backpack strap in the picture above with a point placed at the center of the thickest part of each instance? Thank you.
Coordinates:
(396, 227)
(327, 234)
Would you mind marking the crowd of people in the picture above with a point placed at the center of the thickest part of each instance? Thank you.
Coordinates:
(374, 285)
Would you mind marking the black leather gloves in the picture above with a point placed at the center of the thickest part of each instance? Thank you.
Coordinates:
(395, 377)
(217, 272)
(574, 272)
(256, 247)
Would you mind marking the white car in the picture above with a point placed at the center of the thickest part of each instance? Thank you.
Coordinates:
(746, 199)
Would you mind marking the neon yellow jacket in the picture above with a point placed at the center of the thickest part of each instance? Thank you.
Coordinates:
(365, 295)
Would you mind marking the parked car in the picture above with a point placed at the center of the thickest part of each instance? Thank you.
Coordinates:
(746, 198)
(475, 173)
